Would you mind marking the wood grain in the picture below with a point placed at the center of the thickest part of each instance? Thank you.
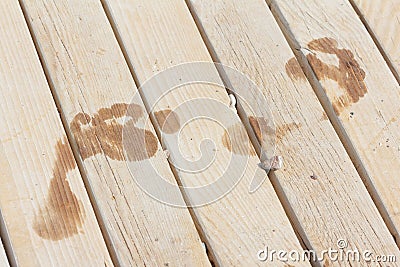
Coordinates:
(47, 214)
(94, 88)
(160, 34)
(382, 18)
(357, 89)
(319, 186)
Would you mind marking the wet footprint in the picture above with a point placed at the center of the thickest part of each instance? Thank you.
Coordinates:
(63, 215)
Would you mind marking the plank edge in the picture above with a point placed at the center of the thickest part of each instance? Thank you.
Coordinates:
(74, 148)
(334, 119)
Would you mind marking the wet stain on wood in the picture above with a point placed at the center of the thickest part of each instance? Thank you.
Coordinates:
(260, 126)
(140, 144)
(63, 214)
(348, 74)
(102, 133)
(294, 70)
(283, 129)
(236, 140)
(168, 121)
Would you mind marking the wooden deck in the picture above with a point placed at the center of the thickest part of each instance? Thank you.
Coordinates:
(104, 158)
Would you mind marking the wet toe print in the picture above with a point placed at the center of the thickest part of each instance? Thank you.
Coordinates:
(348, 74)
(168, 121)
(103, 133)
(63, 215)
(235, 139)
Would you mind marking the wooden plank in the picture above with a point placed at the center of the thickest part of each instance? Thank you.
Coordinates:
(46, 210)
(382, 18)
(94, 86)
(160, 34)
(3, 257)
(357, 90)
(322, 190)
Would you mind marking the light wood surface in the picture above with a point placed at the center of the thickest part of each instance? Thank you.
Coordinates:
(96, 172)
(319, 185)
(46, 210)
(160, 34)
(93, 85)
(382, 18)
(357, 90)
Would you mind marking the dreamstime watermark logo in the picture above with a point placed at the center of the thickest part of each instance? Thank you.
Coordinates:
(342, 253)
(205, 140)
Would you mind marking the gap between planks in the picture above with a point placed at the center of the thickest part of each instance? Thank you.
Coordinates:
(204, 56)
(341, 132)
(335, 120)
(243, 117)
(341, 173)
(75, 152)
(282, 198)
(26, 163)
(210, 253)
(379, 45)
(137, 252)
